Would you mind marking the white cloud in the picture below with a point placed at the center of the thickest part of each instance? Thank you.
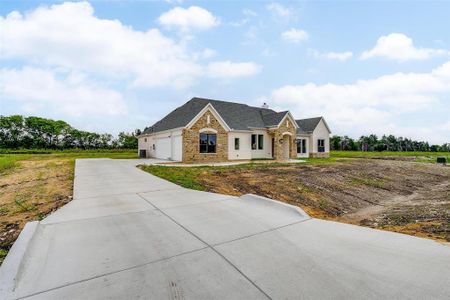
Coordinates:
(339, 56)
(71, 37)
(192, 18)
(228, 69)
(399, 47)
(295, 35)
(249, 13)
(279, 10)
(375, 105)
(38, 89)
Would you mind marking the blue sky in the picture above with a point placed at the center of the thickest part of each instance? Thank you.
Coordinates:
(109, 66)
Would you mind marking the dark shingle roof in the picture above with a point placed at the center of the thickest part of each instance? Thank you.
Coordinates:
(238, 116)
(273, 119)
(307, 125)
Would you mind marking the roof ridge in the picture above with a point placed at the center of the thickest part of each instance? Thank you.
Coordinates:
(230, 102)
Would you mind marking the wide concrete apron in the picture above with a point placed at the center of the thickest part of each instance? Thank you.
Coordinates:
(128, 234)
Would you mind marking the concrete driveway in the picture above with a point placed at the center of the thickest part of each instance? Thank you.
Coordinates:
(130, 235)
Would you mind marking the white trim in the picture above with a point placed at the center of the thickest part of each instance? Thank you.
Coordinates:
(208, 130)
(286, 133)
(326, 125)
(159, 132)
(292, 120)
(214, 112)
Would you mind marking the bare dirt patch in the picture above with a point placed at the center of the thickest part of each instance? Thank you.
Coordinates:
(397, 195)
(32, 191)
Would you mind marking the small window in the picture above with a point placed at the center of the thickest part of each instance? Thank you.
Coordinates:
(208, 142)
(145, 140)
(321, 145)
(153, 147)
(236, 144)
(253, 141)
(260, 141)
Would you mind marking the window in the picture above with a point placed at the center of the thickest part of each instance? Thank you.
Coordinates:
(153, 147)
(301, 146)
(257, 141)
(260, 141)
(236, 143)
(208, 142)
(145, 140)
(321, 145)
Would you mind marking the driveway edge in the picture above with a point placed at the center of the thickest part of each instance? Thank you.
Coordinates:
(13, 261)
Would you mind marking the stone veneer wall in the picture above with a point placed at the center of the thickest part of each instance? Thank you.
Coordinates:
(278, 134)
(191, 143)
(320, 154)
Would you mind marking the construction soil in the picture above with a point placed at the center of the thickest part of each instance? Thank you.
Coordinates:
(397, 195)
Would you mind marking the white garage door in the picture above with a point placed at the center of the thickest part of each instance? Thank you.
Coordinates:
(163, 150)
(176, 148)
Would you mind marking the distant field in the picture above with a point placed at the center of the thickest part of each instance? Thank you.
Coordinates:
(36, 182)
(413, 155)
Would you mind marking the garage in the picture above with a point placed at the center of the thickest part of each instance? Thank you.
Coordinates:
(163, 148)
(169, 147)
(176, 148)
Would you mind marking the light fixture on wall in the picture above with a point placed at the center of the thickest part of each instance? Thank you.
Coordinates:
(281, 141)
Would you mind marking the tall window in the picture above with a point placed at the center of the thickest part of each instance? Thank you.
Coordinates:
(236, 143)
(208, 142)
(257, 141)
(260, 141)
(301, 146)
(321, 145)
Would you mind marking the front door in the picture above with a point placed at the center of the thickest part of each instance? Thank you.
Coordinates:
(286, 146)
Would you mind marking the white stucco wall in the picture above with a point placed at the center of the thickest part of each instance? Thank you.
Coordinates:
(244, 151)
(144, 144)
(266, 152)
(307, 138)
(321, 132)
(151, 140)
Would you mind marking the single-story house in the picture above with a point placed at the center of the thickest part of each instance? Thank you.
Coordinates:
(213, 130)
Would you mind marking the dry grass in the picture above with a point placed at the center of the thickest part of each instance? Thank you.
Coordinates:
(32, 191)
(36, 185)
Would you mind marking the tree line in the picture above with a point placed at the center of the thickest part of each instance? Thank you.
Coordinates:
(386, 143)
(40, 133)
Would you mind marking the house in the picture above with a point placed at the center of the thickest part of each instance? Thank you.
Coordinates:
(213, 130)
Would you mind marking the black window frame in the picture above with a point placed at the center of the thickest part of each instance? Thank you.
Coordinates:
(237, 143)
(257, 141)
(301, 145)
(254, 142)
(321, 148)
(210, 147)
(260, 141)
